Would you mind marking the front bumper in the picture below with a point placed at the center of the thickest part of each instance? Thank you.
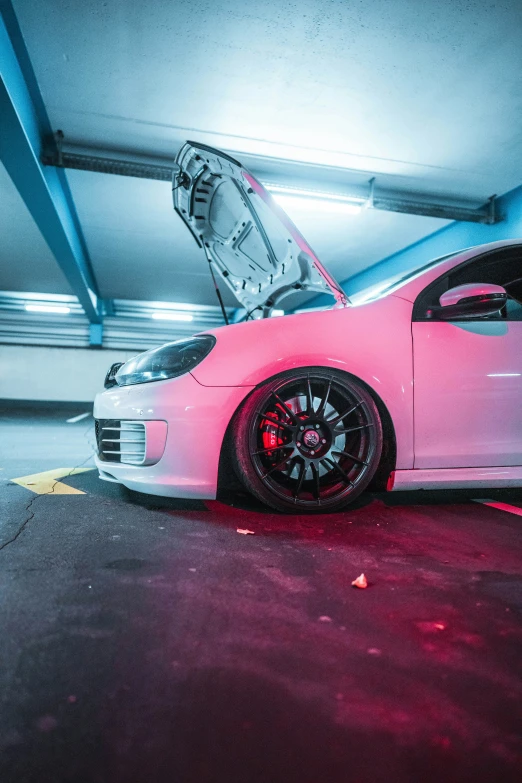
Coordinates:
(197, 418)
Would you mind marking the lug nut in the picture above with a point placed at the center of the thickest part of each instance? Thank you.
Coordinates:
(323, 440)
(301, 428)
(299, 445)
(317, 426)
(312, 452)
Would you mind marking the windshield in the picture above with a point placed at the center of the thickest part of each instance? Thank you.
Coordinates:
(381, 279)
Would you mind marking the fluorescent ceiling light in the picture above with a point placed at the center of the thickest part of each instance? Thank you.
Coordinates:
(316, 205)
(315, 200)
(165, 316)
(47, 309)
(320, 194)
(276, 313)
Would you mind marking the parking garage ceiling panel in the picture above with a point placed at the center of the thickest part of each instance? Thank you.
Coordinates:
(330, 96)
(428, 90)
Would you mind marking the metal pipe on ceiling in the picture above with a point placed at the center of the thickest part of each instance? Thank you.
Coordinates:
(106, 165)
(426, 207)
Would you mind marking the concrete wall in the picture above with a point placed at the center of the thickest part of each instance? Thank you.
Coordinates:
(61, 374)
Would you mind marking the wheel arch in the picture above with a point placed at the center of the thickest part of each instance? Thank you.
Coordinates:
(227, 481)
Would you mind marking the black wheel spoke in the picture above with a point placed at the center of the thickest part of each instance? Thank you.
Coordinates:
(352, 429)
(302, 472)
(335, 465)
(324, 401)
(309, 398)
(276, 422)
(285, 407)
(290, 465)
(273, 449)
(342, 416)
(350, 456)
(317, 488)
(275, 467)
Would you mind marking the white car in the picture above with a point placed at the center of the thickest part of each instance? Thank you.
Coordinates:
(414, 383)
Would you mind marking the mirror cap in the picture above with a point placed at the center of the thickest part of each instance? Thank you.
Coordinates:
(471, 291)
(470, 301)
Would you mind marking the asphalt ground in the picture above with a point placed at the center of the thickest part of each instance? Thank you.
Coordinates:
(146, 640)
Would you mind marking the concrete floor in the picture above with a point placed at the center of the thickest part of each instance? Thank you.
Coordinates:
(146, 640)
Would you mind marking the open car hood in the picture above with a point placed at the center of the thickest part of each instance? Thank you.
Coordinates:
(252, 244)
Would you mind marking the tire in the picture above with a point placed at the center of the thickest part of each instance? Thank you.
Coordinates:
(307, 441)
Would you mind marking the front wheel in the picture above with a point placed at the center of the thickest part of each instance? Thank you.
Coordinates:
(308, 441)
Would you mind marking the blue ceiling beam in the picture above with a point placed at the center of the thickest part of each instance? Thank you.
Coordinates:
(24, 128)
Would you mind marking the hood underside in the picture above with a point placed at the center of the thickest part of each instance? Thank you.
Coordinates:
(251, 243)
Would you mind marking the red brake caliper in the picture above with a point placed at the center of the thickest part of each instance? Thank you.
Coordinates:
(271, 439)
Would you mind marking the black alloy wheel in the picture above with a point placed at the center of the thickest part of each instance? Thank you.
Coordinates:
(308, 441)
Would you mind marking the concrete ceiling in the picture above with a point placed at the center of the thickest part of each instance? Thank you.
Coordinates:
(427, 96)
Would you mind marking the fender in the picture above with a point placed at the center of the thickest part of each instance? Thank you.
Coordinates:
(372, 342)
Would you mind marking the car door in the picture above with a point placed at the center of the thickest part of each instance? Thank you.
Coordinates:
(468, 374)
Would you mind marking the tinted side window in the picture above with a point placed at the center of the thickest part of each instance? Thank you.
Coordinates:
(501, 267)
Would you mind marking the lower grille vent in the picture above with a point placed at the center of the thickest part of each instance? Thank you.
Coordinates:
(121, 441)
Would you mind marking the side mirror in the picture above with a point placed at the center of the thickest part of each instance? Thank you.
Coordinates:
(473, 300)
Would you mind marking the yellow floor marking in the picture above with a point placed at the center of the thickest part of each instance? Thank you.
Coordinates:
(47, 481)
(501, 506)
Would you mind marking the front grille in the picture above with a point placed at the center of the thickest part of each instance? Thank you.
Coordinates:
(121, 441)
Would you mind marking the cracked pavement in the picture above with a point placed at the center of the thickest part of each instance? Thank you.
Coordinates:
(89, 437)
(144, 639)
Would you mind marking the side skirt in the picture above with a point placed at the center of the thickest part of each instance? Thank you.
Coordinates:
(456, 478)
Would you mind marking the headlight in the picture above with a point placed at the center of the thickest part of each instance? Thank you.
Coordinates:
(168, 361)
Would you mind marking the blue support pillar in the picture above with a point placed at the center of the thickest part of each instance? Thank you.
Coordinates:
(23, 127)
(96, 335)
